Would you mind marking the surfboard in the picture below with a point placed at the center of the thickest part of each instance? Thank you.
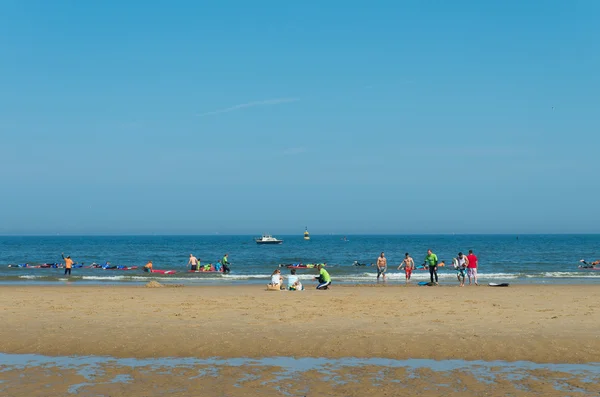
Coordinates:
(160, 271)
(498, 285)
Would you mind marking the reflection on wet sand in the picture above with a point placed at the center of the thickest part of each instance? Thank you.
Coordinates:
(30, 375)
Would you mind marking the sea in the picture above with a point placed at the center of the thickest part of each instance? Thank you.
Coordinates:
(522, 259)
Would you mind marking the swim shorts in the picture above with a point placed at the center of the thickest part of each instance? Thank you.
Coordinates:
(381, 270)
(472, 272)
(408, 272)
(460, 272)
(194, 268)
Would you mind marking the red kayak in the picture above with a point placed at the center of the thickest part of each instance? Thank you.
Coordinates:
(158, 271)
(205, 271)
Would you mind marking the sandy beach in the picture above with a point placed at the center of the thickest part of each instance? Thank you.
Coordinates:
(535, 323)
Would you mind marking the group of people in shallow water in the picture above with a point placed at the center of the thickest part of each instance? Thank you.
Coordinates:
(465, 266)
(293, 282)
(222, 265)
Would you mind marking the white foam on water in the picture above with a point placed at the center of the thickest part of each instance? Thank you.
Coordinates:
(104, 278)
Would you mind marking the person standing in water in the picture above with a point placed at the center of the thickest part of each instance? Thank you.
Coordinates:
(431, 261)
(472, 265)
(193, 262)
(381, 266)
(68, 264)
(460, 264)
(225, 263)
(408, 264)
(148, 267)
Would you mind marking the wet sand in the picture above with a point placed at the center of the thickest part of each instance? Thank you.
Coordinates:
(557, 323)
(256, 380)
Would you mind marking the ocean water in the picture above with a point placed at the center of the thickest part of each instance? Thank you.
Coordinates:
(502, 258)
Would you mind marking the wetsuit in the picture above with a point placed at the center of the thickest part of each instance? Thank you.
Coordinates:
(432, 262)
(225, 264)
(324, 279)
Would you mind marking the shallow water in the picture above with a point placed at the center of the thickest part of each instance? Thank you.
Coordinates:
(89, 375)
(528, 259)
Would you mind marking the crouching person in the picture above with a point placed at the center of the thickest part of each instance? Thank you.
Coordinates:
(324, 278)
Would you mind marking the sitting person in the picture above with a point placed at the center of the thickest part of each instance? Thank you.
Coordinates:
(148, 267)
(324, 278)
(293, 282)
(206, 267)
(218, 266)
(276, 279)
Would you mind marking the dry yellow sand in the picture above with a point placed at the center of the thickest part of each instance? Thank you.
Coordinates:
(555, 323)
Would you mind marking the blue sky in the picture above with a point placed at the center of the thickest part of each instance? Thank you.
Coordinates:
(269, 116)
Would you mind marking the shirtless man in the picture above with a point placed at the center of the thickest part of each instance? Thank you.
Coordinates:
(408, 264)
(381, 266)
(193, 262)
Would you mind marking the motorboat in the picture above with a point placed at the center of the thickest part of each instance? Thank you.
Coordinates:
(267, 239)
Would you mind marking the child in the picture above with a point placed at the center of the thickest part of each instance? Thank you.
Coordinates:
(294, 283)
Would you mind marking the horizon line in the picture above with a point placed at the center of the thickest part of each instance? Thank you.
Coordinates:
(295, 234)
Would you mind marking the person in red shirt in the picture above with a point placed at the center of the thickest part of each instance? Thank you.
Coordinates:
(472, 267)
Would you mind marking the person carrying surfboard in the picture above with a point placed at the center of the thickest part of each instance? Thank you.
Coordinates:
(432, 263)
(460, 264)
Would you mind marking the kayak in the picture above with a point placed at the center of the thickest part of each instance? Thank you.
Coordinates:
(120, 268)
(159, 271)
(301, 266)
(205, 271)
(589, 268)
(43, 266)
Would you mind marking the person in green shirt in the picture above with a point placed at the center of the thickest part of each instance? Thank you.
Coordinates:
(225, 263)
(431, 260)
(324, 278)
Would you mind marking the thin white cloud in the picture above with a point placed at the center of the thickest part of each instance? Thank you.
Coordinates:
(267, 102)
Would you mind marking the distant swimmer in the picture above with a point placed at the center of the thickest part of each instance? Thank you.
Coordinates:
(68, 264)
(193, 262)
(408, 264)
(108, 266)
(589, 265)
(148, 267)
(357, 263)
